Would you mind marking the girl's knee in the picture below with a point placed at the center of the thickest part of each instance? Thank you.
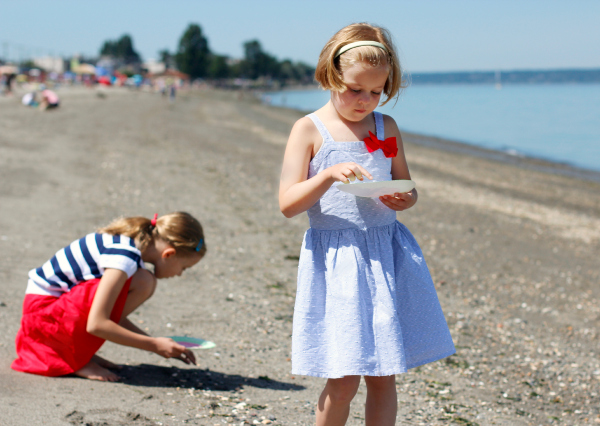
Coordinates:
(343, 390)
(144, 283)
(380, 382)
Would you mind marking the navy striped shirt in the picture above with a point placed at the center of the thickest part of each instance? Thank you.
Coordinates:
(83, 260)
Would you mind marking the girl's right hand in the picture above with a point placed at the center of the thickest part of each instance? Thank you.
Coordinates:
(347, 172)
(169, 348)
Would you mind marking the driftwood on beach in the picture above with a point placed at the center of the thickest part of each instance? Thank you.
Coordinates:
(513, 250)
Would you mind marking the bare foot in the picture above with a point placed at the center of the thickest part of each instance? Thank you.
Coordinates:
(93, 371)
(106, 363)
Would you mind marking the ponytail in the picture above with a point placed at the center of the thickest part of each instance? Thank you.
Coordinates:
(181, 230)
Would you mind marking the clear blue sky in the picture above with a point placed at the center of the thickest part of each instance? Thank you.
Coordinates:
(433, 35)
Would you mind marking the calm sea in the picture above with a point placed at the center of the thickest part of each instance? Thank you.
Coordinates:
(560, 123)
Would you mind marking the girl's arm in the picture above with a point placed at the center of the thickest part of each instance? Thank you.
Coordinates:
(398, 201)
(297, 193)
(99, 322)
(128, 325)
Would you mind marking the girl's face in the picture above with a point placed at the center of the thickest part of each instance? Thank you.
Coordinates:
(173, 265)
(364, 86)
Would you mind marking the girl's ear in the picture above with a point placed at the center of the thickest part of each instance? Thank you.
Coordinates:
(168, 252)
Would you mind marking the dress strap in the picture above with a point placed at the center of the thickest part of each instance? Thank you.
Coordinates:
(379, 125)
(321, 128)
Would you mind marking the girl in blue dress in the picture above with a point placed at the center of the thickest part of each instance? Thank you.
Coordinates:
(365, 303)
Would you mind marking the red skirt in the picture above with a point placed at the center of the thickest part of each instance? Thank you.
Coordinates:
(53, 340)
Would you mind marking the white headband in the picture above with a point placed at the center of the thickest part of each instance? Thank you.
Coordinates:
(358, 44)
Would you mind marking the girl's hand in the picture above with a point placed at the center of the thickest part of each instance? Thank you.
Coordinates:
(347, 172)
(188, 357)
(400, 201)
(169, 348)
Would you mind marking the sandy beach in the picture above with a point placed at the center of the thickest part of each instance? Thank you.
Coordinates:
(512, 248)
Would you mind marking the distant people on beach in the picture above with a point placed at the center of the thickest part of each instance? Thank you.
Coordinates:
(172, 92)
(160, 86)
(83, 295)
(365, 303)
(30, 99)
(7, 80)
(44, 99)
(171, 89)
(48, 99)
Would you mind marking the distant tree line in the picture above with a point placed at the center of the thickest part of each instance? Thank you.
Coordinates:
(121, 49)
(194, 57)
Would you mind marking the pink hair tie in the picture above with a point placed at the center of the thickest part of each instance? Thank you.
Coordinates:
(153, 221)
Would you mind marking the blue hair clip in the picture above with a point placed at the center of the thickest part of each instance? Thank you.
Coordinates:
(200, 243)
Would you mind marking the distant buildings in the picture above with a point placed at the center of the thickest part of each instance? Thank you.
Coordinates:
(154, 67)
(50, 64)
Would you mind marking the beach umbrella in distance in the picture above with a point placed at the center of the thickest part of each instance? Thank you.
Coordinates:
(8, 69)
(85, 69)
(120, 78)
(104, 80)
(137, 79)
(101, 71)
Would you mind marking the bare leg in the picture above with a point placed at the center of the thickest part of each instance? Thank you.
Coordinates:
(105, 363)
(382, 405)
(93, 371)
(334, 404)
(141, 288)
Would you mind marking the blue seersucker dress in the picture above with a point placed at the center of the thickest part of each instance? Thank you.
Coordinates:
(365, 303)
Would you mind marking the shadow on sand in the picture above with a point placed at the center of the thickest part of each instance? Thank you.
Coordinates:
(174, 377)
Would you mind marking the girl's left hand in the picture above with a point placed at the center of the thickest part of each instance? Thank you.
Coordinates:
(188, 357)
(399, 201)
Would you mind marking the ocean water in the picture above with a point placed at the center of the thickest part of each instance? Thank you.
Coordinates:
(555, 122)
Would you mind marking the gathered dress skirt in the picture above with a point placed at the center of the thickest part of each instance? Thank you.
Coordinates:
(365, 305)
(53, 340)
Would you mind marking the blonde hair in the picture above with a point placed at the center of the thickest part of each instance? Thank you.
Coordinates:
(329, 68)
(181, 230)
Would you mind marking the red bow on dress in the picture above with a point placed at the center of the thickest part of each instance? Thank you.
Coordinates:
(388, 146)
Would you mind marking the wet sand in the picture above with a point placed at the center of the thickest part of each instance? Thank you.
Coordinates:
(513, 251)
